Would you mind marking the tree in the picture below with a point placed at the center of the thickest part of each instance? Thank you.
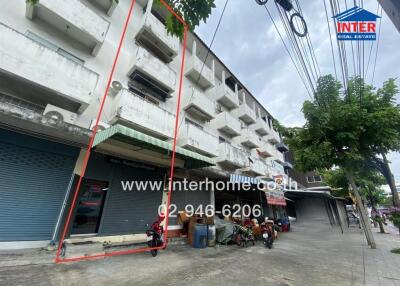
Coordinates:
(193, 12)
(335, 124)
(369, 181)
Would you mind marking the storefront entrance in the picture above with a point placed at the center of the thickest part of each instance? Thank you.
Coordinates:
(90, 207)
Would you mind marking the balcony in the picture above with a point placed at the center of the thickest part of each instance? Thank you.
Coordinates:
(196, 139)
(151, 70)
(73, 19)
(107, 6)
(227, 124)
(266, 150)
(255, 168)
(197, 103)
(273, 137)
(246, 113)
(41, 75)
(248, 139)
(153, 35)
(200, 74)
(261, 127)
(281, 147)
(287, 165)
(232, 156)
(134, 111)
(227, 97)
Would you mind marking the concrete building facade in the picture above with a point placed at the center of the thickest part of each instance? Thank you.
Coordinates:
(55, 59)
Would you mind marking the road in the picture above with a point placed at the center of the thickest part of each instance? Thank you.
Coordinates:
(308, 255)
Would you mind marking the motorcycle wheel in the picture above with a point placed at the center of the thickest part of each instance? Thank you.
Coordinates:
(153, 252)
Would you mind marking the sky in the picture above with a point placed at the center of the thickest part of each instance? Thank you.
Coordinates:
(248, 44)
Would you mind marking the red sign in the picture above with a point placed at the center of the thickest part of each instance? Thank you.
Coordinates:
(275, 198)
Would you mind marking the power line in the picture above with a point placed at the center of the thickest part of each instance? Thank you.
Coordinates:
(377, 46)
(288, 51)
(330, 39)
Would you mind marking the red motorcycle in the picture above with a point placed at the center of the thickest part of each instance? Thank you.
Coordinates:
(155, 235)
(267, 231)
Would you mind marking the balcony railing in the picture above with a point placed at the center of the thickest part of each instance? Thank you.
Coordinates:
(198, 139)
(255, 167)
(261, 127)
(228, 124)
(200, 74)
(134, 111)
(246, 113)
(42, 75)
(226, 96)
(231, 156)
(73, 19)
(155, 70)
(249, 139)
(108, 6)
(197, 103)
(153, 35)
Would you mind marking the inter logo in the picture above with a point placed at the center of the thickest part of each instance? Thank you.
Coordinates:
(356, 24)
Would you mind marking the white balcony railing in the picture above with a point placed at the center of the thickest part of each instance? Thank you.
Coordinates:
(200, 74)
(228, 124)
(226, 96)
(159, 72)
(198, 139)
(108, 6)
(255, 167)
(43, 74)
(197, 103)
(232, 156)
(246, 113)
(133, 110)
(248, 138)
(153, 34)
(73, 19)
(261, 127)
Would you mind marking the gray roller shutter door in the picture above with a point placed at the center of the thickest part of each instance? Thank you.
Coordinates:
(127, 212)
(33, 180)
(185, 197)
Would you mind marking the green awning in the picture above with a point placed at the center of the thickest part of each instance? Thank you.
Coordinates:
(131, 136)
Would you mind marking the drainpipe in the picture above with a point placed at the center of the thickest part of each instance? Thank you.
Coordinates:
(60, 216)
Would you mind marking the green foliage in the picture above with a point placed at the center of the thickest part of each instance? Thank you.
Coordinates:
(32, 2)
(193, 12)
(346, 130)
(395, 250)
(367, 179)
(395, 216)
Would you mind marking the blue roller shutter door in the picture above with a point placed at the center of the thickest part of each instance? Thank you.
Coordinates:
(34, 175)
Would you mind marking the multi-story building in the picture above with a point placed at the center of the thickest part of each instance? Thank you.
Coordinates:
(55, 59)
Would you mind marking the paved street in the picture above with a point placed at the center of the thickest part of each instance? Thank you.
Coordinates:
(305, 256)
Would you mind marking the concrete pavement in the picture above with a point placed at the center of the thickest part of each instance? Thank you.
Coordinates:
(308, 255)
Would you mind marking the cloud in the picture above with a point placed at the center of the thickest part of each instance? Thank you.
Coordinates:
(249, 45)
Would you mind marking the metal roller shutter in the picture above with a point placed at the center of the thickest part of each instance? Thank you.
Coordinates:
(185, 197)
(127, 212)
(33, 180)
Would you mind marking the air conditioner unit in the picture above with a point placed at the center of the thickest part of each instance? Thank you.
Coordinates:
(102, 125)
(58, 114)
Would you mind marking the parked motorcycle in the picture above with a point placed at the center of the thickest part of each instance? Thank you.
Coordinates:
(155, 235)
(267, 231)
(243, 235)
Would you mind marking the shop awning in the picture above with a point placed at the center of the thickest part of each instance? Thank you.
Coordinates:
(131, 136)
(243, 179)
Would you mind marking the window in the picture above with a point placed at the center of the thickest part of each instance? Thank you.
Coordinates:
(314, 179)
(317, 179)
(310, 179)
(38, 39)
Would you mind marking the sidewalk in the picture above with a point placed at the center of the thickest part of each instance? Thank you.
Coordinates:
(308, 255)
